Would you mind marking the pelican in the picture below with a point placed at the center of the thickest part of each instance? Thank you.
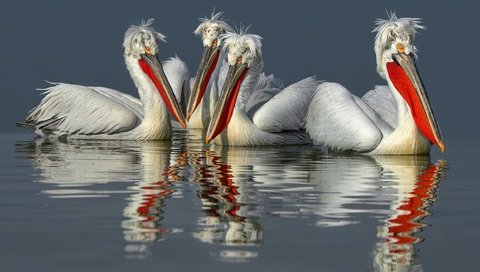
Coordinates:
(393, 119)
(277, 121)
(83, 112)
(206, 81)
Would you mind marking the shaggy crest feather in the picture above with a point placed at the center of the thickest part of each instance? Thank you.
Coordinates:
(142, 33)
(388, 30)
(242, 44)
(215, 20)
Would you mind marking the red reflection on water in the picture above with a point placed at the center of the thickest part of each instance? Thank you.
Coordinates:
(414, 208)
(221, 199)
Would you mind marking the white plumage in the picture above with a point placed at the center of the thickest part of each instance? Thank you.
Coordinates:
(100, 113)
(285, 110)
(383, 121)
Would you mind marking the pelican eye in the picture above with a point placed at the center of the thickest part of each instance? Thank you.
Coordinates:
(239, 60)
(148, 50)
(400, 48)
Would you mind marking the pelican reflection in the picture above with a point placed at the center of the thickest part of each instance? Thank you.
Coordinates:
(232, 204)
(417, 185)
(398, 190)
(145, 207)
(229, 212)
(75, 168)
(85, 169)
(240, 185)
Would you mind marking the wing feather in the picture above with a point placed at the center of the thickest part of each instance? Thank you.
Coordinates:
(286, 110)
(76, 109)
(381, 100)
(267, 87)
(341, 121)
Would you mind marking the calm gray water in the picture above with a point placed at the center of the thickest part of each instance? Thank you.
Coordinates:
(161, 206)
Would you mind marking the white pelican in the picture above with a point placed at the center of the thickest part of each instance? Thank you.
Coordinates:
(206, 81)
(278, 121)
(397, 119)
(86, 112)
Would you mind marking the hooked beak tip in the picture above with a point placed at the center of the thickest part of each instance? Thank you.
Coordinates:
(442, 147)
(182, 122)
(207, 140)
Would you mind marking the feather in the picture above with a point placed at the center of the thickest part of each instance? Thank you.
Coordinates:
(215, 20)
(75, 109)
(381, 100)
(286, 110)
(267, 87)
(336, 120)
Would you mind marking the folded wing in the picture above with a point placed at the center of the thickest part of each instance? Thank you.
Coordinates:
(75, 109)
(287, 109)
(341, 121)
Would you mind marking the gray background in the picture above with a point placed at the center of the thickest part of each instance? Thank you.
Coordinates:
(80, 42)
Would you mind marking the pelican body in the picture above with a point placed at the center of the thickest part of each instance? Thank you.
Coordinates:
(240, 118)
(393, 119)
(83, 112)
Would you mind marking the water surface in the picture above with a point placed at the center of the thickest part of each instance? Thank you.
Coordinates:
(125, 206)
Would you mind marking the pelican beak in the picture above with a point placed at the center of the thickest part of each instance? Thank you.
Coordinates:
(225, 105)
(205, 70)
(154, 70)
(404, 75)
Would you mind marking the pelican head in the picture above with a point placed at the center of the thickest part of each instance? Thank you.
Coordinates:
(243, 48)
(210, 30)
(396, 55)
(244, 53)
(394, 36)
(141, 47)
(142, 39)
